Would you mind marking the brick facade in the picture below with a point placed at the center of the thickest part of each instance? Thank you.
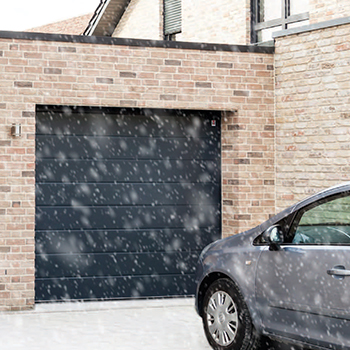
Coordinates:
(324, 10)
(45, 70)
(226, 21)
(213, 21)
(147, 15)
(312, 112)
(285, 117)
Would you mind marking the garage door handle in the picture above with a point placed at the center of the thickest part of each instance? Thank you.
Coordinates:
(338, 271)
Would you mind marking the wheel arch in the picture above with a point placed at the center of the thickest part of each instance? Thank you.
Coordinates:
(211, 278)
(206, 282)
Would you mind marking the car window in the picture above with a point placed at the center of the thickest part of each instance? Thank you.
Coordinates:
(327, 223)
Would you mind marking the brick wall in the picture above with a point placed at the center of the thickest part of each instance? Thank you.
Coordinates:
(213, 21)
(210, 21)
(142, 20)
(324, 10)
(312, 112)
(46, 71)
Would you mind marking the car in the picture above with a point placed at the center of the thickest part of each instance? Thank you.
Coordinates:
(287, 279)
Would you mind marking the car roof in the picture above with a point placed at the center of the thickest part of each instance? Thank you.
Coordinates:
(344, 187)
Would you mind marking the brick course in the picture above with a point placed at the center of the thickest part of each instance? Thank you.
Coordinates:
(325, 10)
(209, 21)
(147, 15)
(312, 112)
(45, 72)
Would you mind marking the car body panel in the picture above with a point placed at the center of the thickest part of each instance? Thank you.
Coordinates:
(294, 302)
(289, 292)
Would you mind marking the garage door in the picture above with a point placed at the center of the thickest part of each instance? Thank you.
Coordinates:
(125, 201)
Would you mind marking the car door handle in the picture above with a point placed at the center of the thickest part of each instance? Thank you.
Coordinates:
(294, 250)
(338, 271)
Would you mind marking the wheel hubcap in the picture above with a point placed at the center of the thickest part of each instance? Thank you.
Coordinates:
(222, 318)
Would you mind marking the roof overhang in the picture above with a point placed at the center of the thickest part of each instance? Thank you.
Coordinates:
(106, 17)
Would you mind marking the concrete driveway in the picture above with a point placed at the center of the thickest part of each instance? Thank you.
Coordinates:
(169, 324)
(161, 324)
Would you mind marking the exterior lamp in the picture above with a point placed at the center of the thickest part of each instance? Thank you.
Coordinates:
(16, 130)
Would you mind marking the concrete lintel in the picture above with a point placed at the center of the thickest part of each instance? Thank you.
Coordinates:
(311, 27)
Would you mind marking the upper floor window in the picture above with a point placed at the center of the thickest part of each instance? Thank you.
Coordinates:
(172, 18)
(269, 16)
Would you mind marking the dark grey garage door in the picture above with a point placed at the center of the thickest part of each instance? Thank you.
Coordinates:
(125, 201)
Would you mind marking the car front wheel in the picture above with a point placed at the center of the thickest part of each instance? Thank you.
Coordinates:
(226, 319)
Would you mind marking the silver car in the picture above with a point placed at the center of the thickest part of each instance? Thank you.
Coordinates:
(287, 279)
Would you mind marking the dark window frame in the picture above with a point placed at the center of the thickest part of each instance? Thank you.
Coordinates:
(257, 25)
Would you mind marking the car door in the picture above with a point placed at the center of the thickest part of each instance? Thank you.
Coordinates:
(303, 288)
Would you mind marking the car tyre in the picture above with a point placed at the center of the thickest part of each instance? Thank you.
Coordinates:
(226, 319)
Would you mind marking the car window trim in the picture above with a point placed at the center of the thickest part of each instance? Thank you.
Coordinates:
(303, 210)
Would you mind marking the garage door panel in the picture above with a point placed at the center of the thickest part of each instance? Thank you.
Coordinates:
(128, 171)
(68, 218)
(114, 287)
(112, 264)
(125, 200)
(125, 194)
(71, 242)
(84, 147)
(125, 122)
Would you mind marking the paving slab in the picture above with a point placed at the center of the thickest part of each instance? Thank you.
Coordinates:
(161, 324)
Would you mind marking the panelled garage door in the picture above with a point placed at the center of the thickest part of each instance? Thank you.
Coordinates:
(125, 201)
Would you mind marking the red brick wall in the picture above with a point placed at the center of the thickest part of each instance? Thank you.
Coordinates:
(66, 73)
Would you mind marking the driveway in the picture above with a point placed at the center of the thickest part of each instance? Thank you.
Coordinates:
(161, 324)
(169, 324)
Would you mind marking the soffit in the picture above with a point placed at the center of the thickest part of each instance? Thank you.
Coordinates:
(106, 17)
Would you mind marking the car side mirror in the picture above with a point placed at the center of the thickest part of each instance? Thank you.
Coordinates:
(274, 237)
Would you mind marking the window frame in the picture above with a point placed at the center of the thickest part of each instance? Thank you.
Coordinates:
(290, 223)
(300, 213)
(283, 21)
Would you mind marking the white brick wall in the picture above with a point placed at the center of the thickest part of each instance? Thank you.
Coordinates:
(215, 21)
(141, 20)
(312, 112)
(324, 10)
(210, 21)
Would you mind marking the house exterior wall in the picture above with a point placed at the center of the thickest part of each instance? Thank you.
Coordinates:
(324, 10)
(43, 69)
(223, 21)
(141, 20)
(312, 112)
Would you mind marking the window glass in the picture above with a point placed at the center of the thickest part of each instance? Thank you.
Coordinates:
(269, 16)
(328, 223)
(298, 6)
(269, 9)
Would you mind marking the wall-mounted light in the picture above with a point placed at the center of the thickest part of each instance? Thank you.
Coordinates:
(16, 130)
